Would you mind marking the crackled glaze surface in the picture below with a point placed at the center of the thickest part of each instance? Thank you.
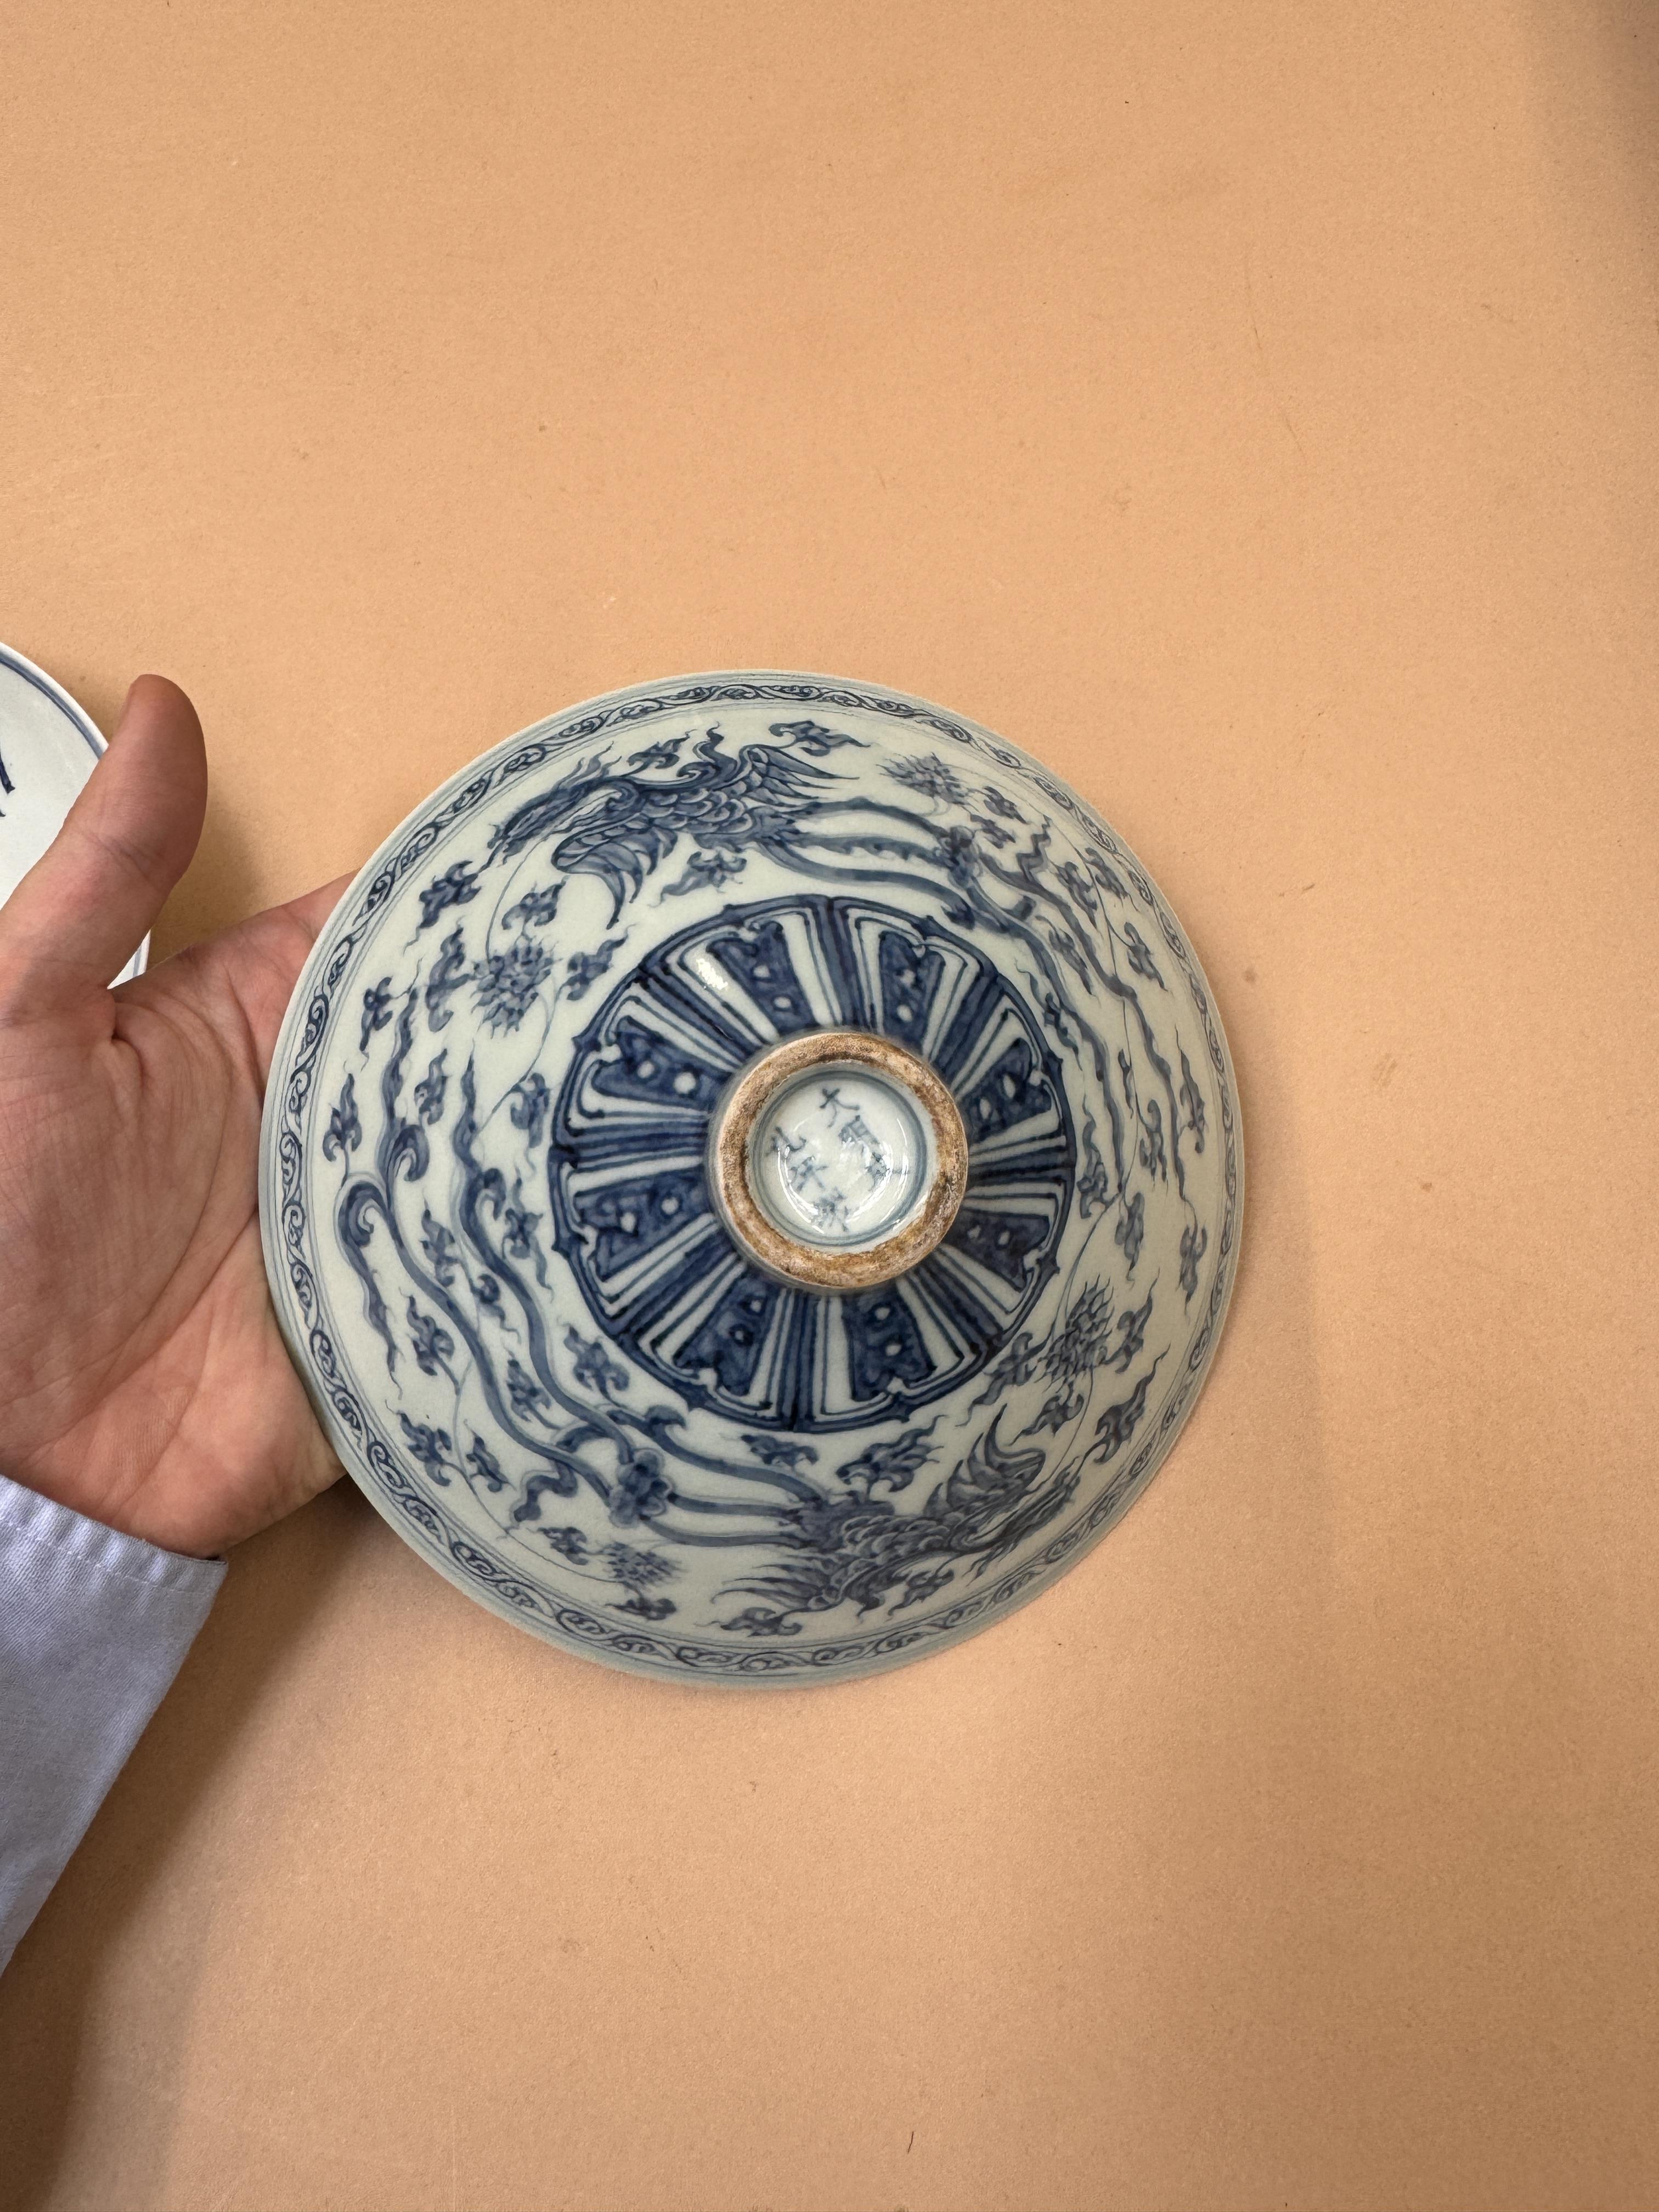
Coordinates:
(487, 1214)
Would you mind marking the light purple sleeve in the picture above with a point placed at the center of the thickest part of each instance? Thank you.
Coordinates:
(94, 1626)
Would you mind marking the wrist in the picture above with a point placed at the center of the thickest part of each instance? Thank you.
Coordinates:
(177, 1529)
(37, 1517)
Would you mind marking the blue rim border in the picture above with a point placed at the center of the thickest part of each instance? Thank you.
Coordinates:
(302, 1312)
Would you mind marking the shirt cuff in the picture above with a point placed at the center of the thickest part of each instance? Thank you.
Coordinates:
(94, 1626)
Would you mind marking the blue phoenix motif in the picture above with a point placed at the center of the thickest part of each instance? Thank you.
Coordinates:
(869, 1471)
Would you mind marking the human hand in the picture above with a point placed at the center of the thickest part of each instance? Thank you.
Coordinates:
(142, 1378)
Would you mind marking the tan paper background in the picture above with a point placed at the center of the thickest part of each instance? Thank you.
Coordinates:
(1251, 409)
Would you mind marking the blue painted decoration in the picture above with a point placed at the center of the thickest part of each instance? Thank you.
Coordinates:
(488, 1227)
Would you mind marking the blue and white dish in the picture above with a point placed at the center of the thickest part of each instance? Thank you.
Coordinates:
(578, 1380)
(49, 745)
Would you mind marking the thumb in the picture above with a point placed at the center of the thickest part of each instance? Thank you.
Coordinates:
(82, 911)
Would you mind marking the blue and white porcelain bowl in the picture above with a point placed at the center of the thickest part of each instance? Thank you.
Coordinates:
(752, 1178)
(49, 746)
